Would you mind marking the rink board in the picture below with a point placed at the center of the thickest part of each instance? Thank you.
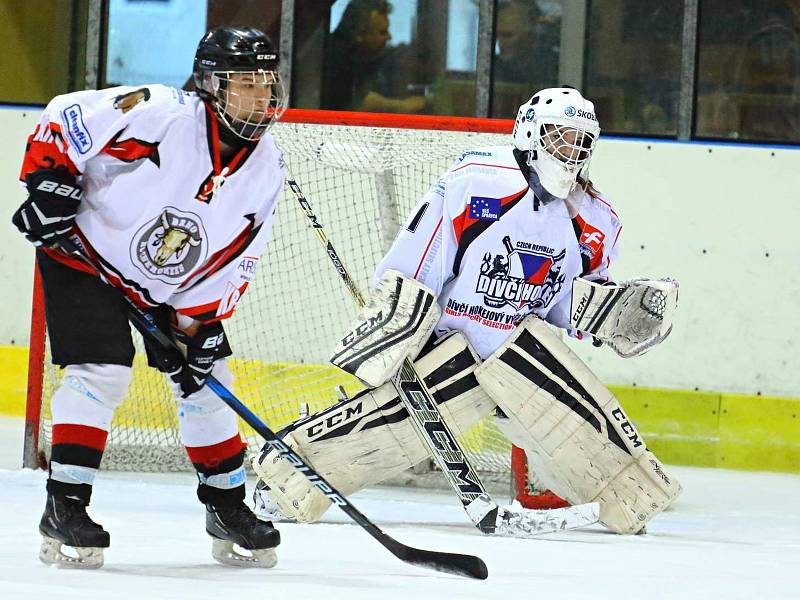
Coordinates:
(710, 429)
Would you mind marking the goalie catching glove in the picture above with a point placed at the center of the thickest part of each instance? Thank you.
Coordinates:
(393, 325)
(631, 318)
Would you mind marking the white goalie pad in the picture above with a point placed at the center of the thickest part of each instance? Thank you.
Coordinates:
(631, 318)
(576, 436)
(394, 324)
(368, 438)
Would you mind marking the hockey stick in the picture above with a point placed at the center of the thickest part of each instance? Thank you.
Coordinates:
(442, 444)
(464, 565)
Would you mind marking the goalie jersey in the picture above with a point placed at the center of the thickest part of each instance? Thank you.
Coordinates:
(494, 254)
(166, 218)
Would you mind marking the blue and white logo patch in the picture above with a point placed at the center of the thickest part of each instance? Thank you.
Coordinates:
(530, 114)
(484, 209)
(76, 129)
(570, 111)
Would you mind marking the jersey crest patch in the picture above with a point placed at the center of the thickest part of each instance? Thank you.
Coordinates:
(484, 209)
(524, 276)
(170, 246)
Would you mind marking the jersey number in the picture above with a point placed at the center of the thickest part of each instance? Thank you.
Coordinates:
(412, 226)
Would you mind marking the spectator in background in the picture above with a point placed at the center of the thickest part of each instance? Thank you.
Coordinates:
(526, 55)
(752, 88)
(767, 74)
(355, 76)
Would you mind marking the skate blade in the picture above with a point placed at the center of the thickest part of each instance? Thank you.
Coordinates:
(51, 553)
(225, 553)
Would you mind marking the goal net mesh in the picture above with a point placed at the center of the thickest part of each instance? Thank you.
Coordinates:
(362, 182)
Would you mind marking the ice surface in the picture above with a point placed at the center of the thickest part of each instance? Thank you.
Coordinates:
(731, 535)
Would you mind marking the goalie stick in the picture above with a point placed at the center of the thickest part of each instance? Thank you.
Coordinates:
(464, 565)
(443, 446)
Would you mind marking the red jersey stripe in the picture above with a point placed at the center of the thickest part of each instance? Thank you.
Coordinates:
(46, 149)
(430, 241)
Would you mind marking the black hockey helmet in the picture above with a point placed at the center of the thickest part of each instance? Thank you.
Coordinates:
(228, 56)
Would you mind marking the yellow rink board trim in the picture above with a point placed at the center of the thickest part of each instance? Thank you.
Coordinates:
(13, 380)
(712, 429)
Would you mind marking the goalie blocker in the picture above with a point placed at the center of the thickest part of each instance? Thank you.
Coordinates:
(576, 435)
(395, 323)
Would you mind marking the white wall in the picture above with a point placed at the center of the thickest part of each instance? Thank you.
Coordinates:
(721, 220)
(16, 254)
(718, 218)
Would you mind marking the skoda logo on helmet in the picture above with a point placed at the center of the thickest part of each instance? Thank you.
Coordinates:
(570, 111)
(530, 114)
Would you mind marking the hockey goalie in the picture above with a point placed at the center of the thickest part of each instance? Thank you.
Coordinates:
(510, 247)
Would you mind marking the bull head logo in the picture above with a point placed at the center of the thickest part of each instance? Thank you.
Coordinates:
(171, 242)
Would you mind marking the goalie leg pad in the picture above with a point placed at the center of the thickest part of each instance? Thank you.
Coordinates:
(576, 436)
(368, 438)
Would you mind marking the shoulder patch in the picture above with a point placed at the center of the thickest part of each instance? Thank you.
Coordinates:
(484, 209)
(76, 129)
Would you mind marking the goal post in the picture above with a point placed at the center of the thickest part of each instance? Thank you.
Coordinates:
(363, 173)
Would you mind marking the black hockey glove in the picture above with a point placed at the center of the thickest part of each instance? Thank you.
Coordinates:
(202, 349)
(49, 211)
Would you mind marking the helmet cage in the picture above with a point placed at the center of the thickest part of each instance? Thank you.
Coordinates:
(246, 115)
(570, 145)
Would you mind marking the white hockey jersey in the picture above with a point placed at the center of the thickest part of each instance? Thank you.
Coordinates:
(492, 257)
(166, 218)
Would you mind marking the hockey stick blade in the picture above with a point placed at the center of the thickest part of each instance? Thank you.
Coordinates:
(464, 565)
(516, 521)
(526, 523)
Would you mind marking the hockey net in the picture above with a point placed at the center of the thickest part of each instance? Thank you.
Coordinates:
(362, 174)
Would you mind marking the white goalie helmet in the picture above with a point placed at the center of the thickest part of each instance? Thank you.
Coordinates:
(558, 128)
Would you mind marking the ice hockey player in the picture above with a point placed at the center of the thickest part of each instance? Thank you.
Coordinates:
(509, 246)
(168, 192)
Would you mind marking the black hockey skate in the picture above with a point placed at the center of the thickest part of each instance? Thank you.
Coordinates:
(66, 523)
(237, 524)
